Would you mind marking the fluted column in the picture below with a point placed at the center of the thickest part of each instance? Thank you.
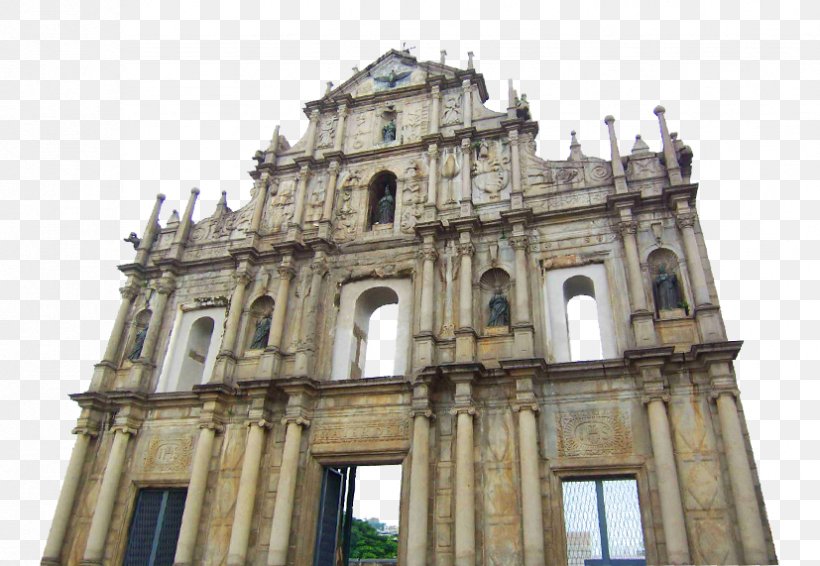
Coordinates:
(747, 509)
(637, 296)
(243, 511)
(674, 524)
(429, 256)
(432, 178)
(285, 491)
(672, 166)
(465, 488)
(186, 543)
(340, 127)
(532, 514)
(522, 288)
(467, 102)
(686, 224)
(150, 233)
(435, 108)
(419, 490)
(68, 494)
(330, 191)
(101, 520)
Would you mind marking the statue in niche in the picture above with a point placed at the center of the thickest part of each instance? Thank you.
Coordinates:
(666, 289)
(136, 347)
(522, 108)
(389, 132)
(452, 111)
(385, 208)
(260, 335)
(499, 309)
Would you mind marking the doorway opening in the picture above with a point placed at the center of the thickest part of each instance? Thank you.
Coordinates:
(358, 515)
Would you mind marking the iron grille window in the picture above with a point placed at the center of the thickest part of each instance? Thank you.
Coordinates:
(152, 538)
(602, 519)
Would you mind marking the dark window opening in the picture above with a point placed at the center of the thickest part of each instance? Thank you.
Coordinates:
(602, 520)
(152, 537)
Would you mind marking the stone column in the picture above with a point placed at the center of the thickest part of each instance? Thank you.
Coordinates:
(465, 285)
(128, 292)
(686, 223)
(674, 524)
(617, 165)
(301, 193)
(261, 200)
(310, 313)
(285, 491)
(628, 229)
(243, 511)
(227, 354)
(181, 235)
(465, 488)
(435, 108)
(672, 166)
(311, 133)
(467, 102)
(68, 494)
(141, 370)
(432, 177)
(330, 191)
(532, 515)
(419, 490)
(429, 256)
(101, 520)
(747, 508)
(515, 162)
(186, 543)
(340, 127)
(466, 178)
(522, 289)
(277, 327)
(150, 233)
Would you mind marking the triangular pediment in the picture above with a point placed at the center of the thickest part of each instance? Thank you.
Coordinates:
(394, 69)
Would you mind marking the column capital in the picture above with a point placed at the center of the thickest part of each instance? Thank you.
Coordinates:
(304, 171)
(685, 219)
(211, 425)
(167, 284)
(428, 254)
(342, 109)
(261, 423)
(432, 150)
(129, 291)
(519, 242)
(465, 144)
(125, 428)
(296, 419)
(286, 271)
(526, 406)
(85, 429)
(242, 277)
(319, 266)
(655, 396)
(420, 412)
(627, 227)
(513, 134)
(333, 167)
(716, 392)
(465, 248)
(464, 409)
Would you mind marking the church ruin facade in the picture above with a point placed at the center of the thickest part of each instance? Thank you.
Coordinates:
(231, 398)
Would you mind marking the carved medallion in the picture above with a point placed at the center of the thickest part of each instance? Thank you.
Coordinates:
(593, 433)
(168, 455)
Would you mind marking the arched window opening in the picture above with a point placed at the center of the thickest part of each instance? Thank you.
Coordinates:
(259, 319)
(365, 328)
(196, 353)
(382, 200)
(582, 319)
(380, 357)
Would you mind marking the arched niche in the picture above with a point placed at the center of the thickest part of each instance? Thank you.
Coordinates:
(579, 294)
(197, 330)
(672, 282)
(136, 335)
(258, 326)
(358, 301)
(381, 201)
(562, 285)
(492, 280)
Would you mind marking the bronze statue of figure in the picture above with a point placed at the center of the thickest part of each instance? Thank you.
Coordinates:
(499, 310)
(389, 132)
(666, 290)
(385, 208)
(260, 335)
(136, 348)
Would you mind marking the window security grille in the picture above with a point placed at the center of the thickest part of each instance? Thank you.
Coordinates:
(152, 538)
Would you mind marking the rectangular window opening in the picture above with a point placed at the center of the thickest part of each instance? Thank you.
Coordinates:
(152, 537)
(602, 521)
(358, 515)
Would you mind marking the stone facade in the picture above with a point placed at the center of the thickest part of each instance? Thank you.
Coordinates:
(486, 419)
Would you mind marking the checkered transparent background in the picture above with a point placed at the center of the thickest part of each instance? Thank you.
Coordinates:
(105, 104)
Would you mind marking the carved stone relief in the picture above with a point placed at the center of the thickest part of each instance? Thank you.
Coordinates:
(344, 221)
(360, 135)
(414, 119)
(451, 110)
(354, 434)
(597, 432)
(168, 454)
(413, 199)
(491, 174)
(324, 137)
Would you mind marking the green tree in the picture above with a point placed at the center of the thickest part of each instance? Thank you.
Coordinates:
(366, 542)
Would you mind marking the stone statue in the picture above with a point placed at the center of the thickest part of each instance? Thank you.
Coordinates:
(499, 310)
(452, 111)
(259, 157)
(392, 78)
(133, 239)
(667, 290)
(136, 348)
(522, 108)
(389, 132)
(385, 208)
(260, 335)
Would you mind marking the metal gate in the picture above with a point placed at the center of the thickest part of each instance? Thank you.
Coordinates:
(152, 537)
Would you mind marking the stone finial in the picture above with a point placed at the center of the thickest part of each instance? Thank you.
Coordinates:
(273, 147)
(470, 60)
(222, 205)
(640, 146)
(443, 56)
(617, 165)
(575, 153)
(355, 69)
(328, 87)
(173, 220)
(659, 110)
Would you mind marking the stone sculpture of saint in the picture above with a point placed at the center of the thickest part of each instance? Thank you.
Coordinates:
(389, 132)
(667, 290)
(499, 310)
(260, 335)
(136, 348)
(385, 208)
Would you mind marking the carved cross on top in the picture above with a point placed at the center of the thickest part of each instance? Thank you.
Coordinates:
(405, 48)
